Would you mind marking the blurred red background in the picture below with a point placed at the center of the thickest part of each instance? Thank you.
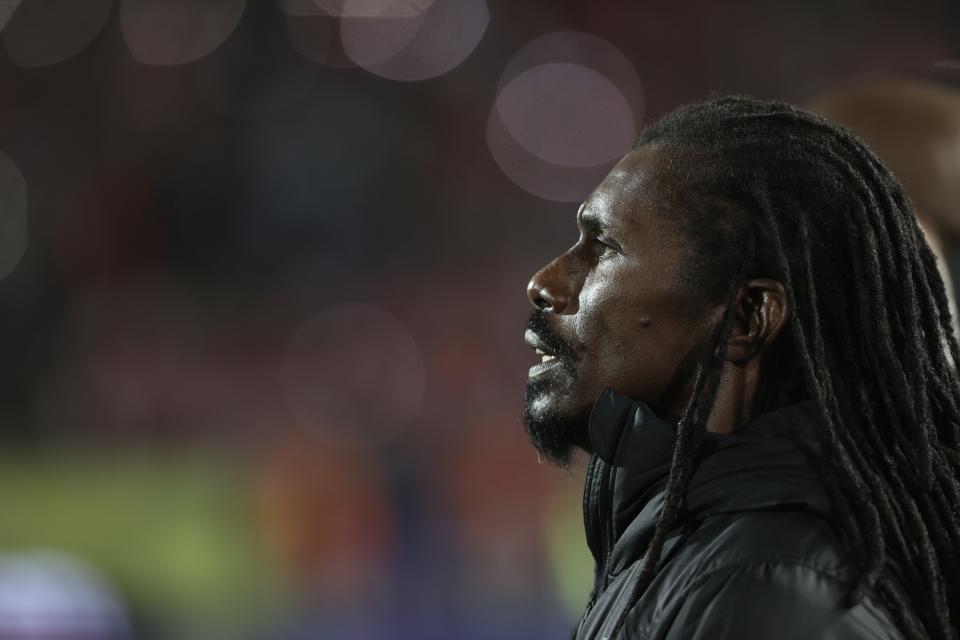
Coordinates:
(263, 269)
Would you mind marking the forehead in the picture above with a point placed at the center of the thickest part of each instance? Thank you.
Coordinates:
(633, 199)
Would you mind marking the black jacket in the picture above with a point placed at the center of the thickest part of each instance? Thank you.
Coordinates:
(755, 556)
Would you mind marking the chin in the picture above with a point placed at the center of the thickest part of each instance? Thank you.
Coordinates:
(555, 428)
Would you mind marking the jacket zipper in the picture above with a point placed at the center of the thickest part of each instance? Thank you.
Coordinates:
(606, 507)
(600, 532)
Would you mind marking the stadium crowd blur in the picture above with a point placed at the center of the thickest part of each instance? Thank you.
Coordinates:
(263, 267)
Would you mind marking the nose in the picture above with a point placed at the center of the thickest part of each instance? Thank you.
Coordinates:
(551, 288)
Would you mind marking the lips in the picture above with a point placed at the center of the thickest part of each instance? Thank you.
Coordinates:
(548, 359)
(537, 344)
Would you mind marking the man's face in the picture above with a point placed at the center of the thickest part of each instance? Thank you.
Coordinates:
(613, 311)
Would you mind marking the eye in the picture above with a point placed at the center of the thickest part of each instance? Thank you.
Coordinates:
(602, 247)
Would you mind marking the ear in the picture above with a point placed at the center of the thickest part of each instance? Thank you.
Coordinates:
(760, 312)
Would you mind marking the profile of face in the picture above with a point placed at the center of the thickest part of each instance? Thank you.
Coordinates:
(613, 311)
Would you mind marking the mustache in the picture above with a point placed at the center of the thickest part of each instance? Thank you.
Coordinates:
(561, 349)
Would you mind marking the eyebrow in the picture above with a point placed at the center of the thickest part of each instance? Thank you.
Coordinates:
(590, 222)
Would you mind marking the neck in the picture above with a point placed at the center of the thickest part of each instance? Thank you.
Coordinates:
(736, 397)
(735, 402)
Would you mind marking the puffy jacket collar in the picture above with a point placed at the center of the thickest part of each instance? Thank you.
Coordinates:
(768, 463)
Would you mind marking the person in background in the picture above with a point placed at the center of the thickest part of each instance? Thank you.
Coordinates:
(914, 127)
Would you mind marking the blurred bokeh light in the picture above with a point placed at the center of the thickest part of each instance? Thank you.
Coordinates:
(542, 106)
(300, 7)
(568, 105)
(167, 32)
(374, 8)
(44, 32)
(263, 340)
(409, 45)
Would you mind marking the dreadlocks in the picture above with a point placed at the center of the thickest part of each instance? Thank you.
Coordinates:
(792, 196)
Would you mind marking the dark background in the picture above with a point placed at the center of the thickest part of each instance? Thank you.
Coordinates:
(262, 301)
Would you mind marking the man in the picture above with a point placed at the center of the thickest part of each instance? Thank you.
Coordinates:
(750, 337)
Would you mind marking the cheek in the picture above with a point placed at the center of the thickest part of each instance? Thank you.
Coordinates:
(634, 341)
(631, 351)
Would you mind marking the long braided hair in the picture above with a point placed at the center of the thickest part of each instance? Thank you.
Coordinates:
(768, 190)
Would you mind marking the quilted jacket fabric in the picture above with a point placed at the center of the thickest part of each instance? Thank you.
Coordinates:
(755, 554)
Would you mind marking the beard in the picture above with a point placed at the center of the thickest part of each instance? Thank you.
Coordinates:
(553, 428)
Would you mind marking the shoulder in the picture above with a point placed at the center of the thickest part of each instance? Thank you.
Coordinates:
(765, 599)
(761, 574)
(794, 538)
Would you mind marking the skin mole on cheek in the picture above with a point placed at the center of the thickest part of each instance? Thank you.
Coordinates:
(644, 320)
